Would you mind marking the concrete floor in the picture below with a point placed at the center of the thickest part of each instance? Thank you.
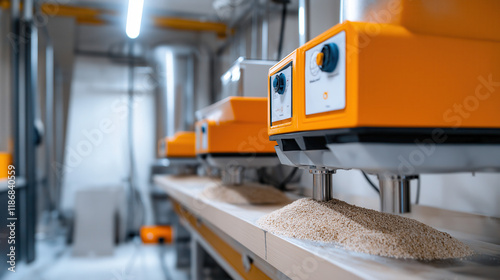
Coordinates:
(130, 261)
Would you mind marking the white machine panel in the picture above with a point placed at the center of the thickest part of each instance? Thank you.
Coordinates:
(202, 136)
(324, 91)
(281, 104)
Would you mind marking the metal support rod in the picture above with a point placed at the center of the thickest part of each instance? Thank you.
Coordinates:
(282, 30)
(303, 21)
(49, 125)
(16, 97)
(395, 193)
(197, 259)
(255, 29)
(265, 32)
(29, 33)
(322, 184)
(233, 175)
(130, 136)
(58, 134)
(189, 97)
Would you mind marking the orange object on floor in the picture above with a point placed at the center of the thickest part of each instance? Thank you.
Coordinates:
(5, 161)
(153, 234)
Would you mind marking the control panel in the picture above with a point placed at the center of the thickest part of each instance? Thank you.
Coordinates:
(325, 75)
(281, 94)
(202, 136)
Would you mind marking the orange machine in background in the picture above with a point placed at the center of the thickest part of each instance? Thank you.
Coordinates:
(231, 136)
(181, 145)
(156, 234)
(5, 161)
(235, 125)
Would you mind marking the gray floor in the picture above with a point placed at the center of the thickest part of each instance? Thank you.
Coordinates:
(130, 261)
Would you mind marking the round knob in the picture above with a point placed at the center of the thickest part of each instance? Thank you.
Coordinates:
(328, 58)
(279, 83)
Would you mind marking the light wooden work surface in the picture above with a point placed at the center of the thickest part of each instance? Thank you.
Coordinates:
(302, 259)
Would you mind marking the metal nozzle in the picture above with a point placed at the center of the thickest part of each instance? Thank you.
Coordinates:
(322, 184)
(233, 175)
(395, 193)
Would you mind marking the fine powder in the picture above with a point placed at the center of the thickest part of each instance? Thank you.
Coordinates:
(249, 193)
(362, 230)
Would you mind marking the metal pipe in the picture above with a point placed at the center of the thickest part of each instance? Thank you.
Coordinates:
(255, 29)
(58, 134)
(233, 175)
(395, 193)
(30, 82)
(322, 184)
(49, 123)
(265, 32)
(189, 97)
(16, 97)
(303, 21)
(130, 135)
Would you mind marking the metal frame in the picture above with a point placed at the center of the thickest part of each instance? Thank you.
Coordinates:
(24, 82)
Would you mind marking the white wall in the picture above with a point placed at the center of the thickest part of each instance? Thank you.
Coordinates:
(96, 150)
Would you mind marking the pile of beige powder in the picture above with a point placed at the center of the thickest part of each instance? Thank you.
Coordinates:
(362, 230)
(249, 193)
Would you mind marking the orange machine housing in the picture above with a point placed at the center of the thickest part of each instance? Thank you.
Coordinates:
(181, 145)
(399, 78)
(5, 161)
(235, 125)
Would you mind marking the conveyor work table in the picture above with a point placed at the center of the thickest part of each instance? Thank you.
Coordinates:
(278, 257)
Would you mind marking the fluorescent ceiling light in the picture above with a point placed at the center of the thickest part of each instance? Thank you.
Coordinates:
(134, 17)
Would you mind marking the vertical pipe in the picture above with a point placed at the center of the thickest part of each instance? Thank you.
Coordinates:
(322, 184)
(303, 21)
(255, 29)
(17, 124)
(58, 153)
(30, 74)
(189, 97)
(49, 123)
(342, 13)
(15, 35)
(196, 260)
(130, 136)
(243, 45)
(170, 80)
(265, 32)
(395, 193)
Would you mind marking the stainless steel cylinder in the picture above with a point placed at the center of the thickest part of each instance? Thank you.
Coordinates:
(380, 11)
(395, 193)
(322, 184)
(233, 175)
(174, 78)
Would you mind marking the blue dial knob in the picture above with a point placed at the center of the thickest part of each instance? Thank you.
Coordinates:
(329, 57)
(279, 83)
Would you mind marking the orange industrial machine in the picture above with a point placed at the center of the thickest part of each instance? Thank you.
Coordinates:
(232, 135)
(181, 145)
(411, 87)
(178, 153)
(156, 234)
(5, 161)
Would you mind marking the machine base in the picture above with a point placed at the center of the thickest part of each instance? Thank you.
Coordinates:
(403, 151)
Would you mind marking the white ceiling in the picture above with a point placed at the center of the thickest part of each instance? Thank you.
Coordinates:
(198, 8)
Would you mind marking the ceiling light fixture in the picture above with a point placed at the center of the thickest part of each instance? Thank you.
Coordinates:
(134, 17)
